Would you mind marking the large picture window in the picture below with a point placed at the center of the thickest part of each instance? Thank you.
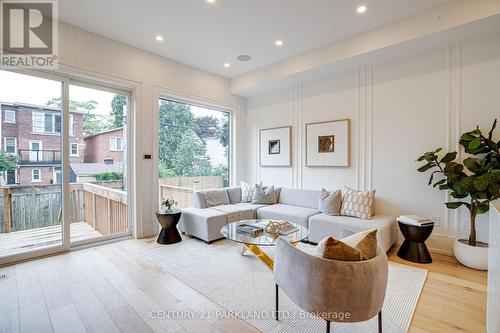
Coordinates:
(194, 149)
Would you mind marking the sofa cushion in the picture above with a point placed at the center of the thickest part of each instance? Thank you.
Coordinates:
(294, 214)
(301, 198)
(321, 226)
(264, 195)
(236, 212)
(234, 194)
(216, 197)
(203, 223)
(330, 202)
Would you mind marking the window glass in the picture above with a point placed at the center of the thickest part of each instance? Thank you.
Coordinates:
(10, 145)
(10, 116)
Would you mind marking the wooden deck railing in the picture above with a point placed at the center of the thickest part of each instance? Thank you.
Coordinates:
(31, 207)
(182, 195)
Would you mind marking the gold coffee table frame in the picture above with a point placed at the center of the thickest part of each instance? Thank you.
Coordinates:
(254, 244)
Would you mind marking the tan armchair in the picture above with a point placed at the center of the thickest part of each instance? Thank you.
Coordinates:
(339, 291)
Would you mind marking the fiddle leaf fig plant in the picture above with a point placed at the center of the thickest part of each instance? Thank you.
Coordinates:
(474, 182)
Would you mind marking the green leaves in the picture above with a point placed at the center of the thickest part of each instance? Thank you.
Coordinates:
(449, 157)
(454, 205)
(477, 178)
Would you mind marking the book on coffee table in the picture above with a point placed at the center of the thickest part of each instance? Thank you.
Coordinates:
(251, 229)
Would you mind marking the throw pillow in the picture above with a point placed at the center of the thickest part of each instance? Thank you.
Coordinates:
(357, 203)
(247, 191)
(358, 247)
(216, 198)
(264, 195)
(330, 202)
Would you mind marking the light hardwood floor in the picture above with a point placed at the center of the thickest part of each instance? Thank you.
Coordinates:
(112, 288)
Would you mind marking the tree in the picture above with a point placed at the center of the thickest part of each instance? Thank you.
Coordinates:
(207, 127)
(190, 158)
(117, 105)
(92, 123)
(475, 182)
(164, 172)
(175, 120)
(8, 162)
(224, 133)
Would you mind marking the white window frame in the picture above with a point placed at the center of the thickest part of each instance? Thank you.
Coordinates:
(33, 180)
(113, 147)
(71, 150)
(12, 112)
(36, 116)
(5, 145)
(41, 117)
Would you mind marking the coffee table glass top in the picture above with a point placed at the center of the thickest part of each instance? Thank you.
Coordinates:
(263, 239)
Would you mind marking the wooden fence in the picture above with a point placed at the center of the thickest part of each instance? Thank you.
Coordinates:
(181, 188)
(32, 207)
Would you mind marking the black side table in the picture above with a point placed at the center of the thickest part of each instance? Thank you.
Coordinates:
(414, 248)
(168, 221)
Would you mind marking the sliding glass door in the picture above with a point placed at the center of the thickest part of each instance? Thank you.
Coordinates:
(98, 162)
(63, 164)
(31, 195)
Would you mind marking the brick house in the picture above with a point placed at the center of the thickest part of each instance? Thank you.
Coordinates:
(105, 145)
(34, 133)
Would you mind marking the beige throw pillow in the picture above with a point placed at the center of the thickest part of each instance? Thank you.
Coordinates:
(358, 247)
(357, 203)
(330, 202)
(264, 195)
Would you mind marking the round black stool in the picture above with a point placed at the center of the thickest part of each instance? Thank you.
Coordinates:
(168, 221)
(414, 248)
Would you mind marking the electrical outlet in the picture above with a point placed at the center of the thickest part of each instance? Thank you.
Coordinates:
(437, 221)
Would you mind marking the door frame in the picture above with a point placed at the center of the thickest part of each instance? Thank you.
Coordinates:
(40, 142)
(65, 75)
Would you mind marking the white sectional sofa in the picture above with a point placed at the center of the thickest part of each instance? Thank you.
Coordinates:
(294, 205)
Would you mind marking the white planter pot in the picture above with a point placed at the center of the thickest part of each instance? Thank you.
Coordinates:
(471, 256)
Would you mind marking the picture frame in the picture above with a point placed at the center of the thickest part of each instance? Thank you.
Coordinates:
(275, 147)
(328, 143)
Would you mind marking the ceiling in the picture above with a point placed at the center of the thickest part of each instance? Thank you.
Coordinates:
(206, 36)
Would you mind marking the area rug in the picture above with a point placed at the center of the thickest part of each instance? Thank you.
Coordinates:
(244, 286)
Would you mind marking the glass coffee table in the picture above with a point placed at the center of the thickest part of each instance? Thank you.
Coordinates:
(254, 244)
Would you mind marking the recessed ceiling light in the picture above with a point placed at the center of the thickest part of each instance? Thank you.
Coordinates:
(159, 38)
(279, 42)
(361, 9)
(210, 1)
(227, 65)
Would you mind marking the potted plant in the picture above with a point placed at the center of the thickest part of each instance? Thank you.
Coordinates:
(167, 204)
(473, 183)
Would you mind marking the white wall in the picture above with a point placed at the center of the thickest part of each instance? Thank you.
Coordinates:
(397, 112)
(83, 51)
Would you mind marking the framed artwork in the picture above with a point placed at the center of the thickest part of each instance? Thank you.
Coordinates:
(327, 143)
(275, 147)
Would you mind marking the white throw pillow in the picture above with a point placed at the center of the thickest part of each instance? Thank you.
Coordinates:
(330, 202)
(357, 203)
(264, 195)
(247, 191)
